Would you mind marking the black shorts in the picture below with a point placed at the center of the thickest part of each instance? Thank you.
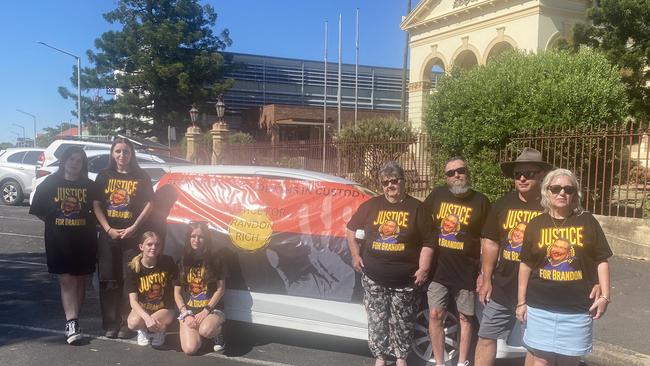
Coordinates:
(74, 257)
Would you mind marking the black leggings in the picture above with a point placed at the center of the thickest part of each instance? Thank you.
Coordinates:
(112, 258)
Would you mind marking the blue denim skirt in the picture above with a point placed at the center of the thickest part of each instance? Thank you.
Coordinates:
(564, 334)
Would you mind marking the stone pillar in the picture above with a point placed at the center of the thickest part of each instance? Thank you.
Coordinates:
(418, 95)
(219, 133)
(192, 139)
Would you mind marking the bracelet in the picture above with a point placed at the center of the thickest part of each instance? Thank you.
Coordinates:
(184, 306)
(185, 315)
(520, 305)
(109, 230)
(606, 298)
(208, 308)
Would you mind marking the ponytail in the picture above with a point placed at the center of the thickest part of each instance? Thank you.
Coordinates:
(135, 264)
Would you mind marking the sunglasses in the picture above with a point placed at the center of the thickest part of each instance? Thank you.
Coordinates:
(566, 189)
(386, 182)
(451, 173)
(528, 174)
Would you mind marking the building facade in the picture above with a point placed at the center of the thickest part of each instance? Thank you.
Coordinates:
(264, 81)
(467, 33)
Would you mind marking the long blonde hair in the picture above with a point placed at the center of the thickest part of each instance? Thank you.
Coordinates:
(135, 264)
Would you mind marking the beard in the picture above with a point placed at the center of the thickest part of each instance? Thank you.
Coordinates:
(460, 187)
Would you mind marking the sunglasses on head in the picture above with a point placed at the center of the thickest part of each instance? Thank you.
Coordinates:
(452, 172)
(558, 189)
(528, 174)
(386, 182)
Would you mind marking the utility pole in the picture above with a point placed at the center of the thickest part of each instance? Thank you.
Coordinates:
(402, 114)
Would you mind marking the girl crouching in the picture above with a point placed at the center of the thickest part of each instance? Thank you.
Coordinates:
(198, 292)
(148, 281)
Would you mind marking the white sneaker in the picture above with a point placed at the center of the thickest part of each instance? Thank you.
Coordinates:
(466, 363)
(157, 339)
(72, 331)
(219, 344)
(143, 338)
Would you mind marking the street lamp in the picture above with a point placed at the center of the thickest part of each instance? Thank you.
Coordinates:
(34, 118)
(220, 106)
(78, 83)
(194, 114)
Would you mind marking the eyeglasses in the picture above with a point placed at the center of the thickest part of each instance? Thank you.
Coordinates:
(528, 174)
(386, 182)
(566, 189)
(461, 170)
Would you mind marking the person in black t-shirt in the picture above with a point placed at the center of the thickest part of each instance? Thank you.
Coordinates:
(64, 201)
(198, 291)
(149, 282)
(502, 238)
(122, 204)
(394, 260)
(564, 254)
(458, 214)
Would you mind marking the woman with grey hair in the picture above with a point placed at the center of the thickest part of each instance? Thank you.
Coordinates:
(394, 262)
(564, 254)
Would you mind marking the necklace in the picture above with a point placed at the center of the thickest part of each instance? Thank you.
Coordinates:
(557, 229)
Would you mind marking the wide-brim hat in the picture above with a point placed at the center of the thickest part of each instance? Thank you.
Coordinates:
(528, 156)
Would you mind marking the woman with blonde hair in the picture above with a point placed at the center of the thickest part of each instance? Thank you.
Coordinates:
(148, 281)
(564, 254)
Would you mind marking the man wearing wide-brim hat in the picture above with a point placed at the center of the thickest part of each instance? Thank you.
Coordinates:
(501, 239)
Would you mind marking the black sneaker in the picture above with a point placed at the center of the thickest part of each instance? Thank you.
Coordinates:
(72, 331)
(219, 344)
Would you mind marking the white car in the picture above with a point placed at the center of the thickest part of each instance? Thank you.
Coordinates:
(154, 165)
(282, 234)
(17, 171)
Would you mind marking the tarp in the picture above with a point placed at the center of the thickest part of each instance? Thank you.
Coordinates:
(279, 235)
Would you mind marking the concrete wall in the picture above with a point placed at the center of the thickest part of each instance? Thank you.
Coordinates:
(627, 236)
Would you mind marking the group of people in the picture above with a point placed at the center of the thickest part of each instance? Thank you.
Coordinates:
(140, 289)
(534, 256)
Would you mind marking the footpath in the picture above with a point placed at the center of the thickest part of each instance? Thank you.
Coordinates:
(622, 336)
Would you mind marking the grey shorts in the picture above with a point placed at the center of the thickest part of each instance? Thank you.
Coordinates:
(438, 297)
(497, 321)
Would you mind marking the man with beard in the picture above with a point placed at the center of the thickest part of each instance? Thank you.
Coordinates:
(458, 255)
(502, 236)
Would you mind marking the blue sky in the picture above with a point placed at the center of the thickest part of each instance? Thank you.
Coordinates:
(31, 73)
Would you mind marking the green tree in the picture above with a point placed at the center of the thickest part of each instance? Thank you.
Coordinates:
(49, 133)
(5, 145)
(475, 113)
(371, 144)
(163, 58)
(620, 30)
(240, 138)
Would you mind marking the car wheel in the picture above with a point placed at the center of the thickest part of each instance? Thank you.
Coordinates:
(12, 194)
(422, 342)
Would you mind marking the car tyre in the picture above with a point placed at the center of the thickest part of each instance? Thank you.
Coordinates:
(11, 193)
(422, 343)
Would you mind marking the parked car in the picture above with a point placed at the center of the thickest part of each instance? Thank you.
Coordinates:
(98, 160)
(282, 234)
(17, 170)
(54, 151)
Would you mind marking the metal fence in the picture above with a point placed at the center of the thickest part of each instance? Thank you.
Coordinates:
(611, 164)
(355, 160)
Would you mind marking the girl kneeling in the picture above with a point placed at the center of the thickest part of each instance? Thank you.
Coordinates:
(148, 281)
(199, 290)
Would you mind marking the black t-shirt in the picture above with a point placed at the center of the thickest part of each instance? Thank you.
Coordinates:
(506, 224)
(154, 286)
(457, 223)
(123, 195)
(200, 281)
(564, 256)
(394, 236)
(66, 207)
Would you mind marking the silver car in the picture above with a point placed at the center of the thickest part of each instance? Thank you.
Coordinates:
(17, 169)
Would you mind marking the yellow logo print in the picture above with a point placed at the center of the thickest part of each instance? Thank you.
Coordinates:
(251, 230)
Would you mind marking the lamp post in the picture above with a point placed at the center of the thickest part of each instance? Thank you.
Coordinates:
(34, 118)
(78, 83)
(219, 131)
(194, 114)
